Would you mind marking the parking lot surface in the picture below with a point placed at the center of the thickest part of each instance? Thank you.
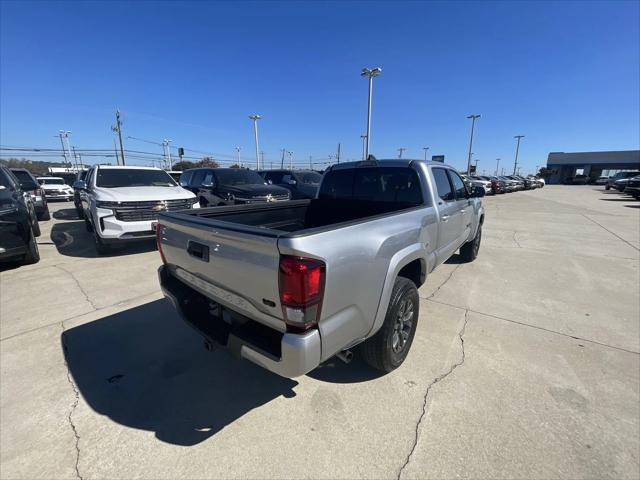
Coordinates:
(525, 364)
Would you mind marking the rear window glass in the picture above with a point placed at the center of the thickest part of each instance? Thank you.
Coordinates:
(25, 178)
(375, 184)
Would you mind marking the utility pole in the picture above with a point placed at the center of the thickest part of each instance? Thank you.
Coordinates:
(502, 171)
(426, 149)
(338, 157)
(238, 152)
(473, 124)
(262, 159)
(255, 118)
(515, 165)
(369, 73)
(167, 152)
(75, 159)
(283, 150)
(401, 149)
(118, 129)
(64, 134)
(310, 163)
(290, 160)
(497, 163)
(363, 137)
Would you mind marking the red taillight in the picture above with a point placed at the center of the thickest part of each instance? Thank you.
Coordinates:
(159, 243)
(301, 283)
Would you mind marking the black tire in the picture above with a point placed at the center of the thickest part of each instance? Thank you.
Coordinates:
(45, 215)
(101, 247)
(469, 251)
(607, 187)
(87, 224)
(33, 254)
(80, 212)
(35, 226)
(389, 347)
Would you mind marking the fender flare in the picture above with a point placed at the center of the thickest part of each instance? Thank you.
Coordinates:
(402, 258)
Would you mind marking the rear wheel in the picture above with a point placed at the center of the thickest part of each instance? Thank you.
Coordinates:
(469, 251)
(35, 226)
(607, 187)
(389, 347)
(45, 215)
(33, 254)
(203, 202)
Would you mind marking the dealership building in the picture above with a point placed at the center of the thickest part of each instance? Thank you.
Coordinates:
(561, 165)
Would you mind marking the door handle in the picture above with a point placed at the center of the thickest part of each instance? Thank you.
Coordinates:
(445, 218)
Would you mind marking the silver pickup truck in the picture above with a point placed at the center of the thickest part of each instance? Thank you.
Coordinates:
(291, 284)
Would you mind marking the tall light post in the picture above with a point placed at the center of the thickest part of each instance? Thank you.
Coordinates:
(476, 172)
(426, 149)
(363, 137)
(238, 161)
(401, 151)
(497, 163)
(473, 124)
(290, 160)
(515, 164)
(369, 73)
(255, 118)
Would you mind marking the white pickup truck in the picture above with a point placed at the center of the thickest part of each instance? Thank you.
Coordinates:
(291, 284)
(122, 203)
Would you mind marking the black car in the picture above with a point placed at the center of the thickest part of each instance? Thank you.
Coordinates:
(230, 186)
(18, 222)
(30, 185)
(79, 181)
(633, 187)
(301, 183)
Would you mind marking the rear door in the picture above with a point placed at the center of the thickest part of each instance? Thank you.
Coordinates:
(450, 220)
(463, 206)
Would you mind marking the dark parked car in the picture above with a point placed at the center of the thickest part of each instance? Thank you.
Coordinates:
(30, 185)
(230, 186)
(77, 184)
(498, 186)
(18, 221)
(633, 187)
(619, 176)
(301, 183)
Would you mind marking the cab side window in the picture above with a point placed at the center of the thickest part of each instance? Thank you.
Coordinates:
(275, 177)
(458, 186)
(184, 179)
(198, 177)
(443, 186)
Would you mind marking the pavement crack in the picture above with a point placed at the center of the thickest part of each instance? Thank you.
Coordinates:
(426, 394)
(612, 233)
(75, 402)
(515, 240)
(443, 283)
(86, 296)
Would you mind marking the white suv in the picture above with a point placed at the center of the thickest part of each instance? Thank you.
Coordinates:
(123, 203)
(55, 188)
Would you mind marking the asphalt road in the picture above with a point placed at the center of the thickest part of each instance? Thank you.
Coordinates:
(525, 364)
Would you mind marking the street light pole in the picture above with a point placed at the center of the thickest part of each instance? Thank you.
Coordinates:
(426, 149)
(473, 124)
(369, 73)
(255, 118)
(363, 137)
(497, 163)
(515, 165)
(400, 150)
(64, 134)
(238, 161)
(290, 160)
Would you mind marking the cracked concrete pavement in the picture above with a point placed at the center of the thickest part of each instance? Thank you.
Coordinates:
(525, 364)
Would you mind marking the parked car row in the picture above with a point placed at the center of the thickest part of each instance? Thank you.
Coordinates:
(493, 185)
(620, 180)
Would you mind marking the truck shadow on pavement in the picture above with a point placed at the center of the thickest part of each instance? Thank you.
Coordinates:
(145, 369)
(72, 239)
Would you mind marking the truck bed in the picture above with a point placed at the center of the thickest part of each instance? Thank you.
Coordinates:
(295, 217)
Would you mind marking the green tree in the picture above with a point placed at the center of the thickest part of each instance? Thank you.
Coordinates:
(183, 165)
(207, 162)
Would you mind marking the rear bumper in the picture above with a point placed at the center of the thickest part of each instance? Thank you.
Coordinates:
(286, 354)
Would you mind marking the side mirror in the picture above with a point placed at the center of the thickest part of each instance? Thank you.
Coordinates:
(291, 181)
(477, 192)
(79, 185)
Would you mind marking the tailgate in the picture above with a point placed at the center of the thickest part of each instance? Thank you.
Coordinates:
(234, 265)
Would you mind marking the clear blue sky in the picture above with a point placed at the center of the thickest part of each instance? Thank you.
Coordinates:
(565, 74)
